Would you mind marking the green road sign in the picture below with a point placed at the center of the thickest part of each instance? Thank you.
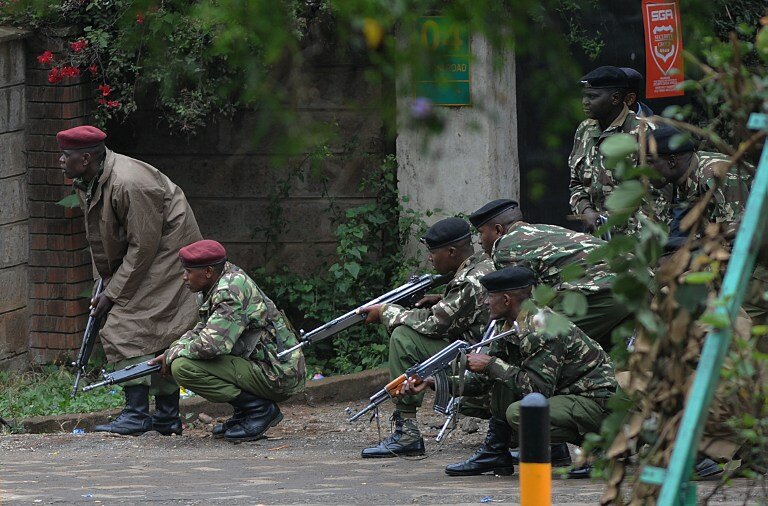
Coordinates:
(447, 80)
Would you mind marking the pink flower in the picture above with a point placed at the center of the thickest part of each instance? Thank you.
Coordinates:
(46, 57)
(139, 17)
(113, 103)
(70, 71)
(78, 45)
(54, 76)
(105, 89)
(94, 69)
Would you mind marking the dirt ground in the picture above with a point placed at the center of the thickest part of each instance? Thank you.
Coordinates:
(312, 457)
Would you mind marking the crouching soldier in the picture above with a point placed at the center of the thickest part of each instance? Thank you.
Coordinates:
(571, 370)
(231, 355)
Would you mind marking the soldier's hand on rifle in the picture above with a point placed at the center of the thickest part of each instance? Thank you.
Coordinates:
(160, 359)
(477, 362)
(590, 219)
(414, 386)
(100, 305)
(429, 300)
(373, 313)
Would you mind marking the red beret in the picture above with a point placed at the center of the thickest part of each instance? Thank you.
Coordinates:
(202, 254)
(81, 137)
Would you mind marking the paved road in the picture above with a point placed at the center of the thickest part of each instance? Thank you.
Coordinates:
(311, 458)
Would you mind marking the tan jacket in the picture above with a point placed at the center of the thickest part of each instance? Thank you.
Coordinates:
(136, 222)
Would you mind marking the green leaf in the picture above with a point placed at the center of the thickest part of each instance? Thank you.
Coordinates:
(716, 320)
(761, 43)
(699, 278)
(618, 146)
(543, 295)
(626, 197)
(571, 272)
(574, 304)
(69, 201)
(556, 324)
(353, 268)
(691, 296)
(760, 330)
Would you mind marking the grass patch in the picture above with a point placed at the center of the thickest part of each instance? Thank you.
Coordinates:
(45, 391)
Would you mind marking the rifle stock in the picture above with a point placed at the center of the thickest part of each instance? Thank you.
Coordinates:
(89, 340)
(403, 294)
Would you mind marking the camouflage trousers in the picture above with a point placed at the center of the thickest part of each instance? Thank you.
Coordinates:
(221, 379)
(157, 383)
(571, 417)
(407, 348)
(604, 313)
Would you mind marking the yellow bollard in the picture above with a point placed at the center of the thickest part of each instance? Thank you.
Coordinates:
(535, 458)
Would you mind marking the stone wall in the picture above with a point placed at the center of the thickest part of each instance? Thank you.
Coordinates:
(14, 213)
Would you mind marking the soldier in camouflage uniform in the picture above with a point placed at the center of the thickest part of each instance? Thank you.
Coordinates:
(692, 174)
(547, 250)
(571, 370)
(417, 334)
(231, 355)
(591, 182)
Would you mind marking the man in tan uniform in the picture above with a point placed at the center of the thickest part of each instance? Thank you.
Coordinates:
(136, 220)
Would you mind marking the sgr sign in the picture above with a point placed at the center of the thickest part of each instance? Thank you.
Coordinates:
(447, 80)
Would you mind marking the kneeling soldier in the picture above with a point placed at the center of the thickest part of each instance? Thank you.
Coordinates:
(419, 333)
(571, 370)
(231, 355)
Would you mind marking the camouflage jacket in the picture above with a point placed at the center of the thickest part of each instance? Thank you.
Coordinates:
(727, 203)
(591, 182)
(462, 309)
(570, 364)
(547, 249)
(237, 318)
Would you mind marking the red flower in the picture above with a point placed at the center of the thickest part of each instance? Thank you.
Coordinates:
(113, 103)
(94, 69)
(139, 17)
(102, 101)
(54, 76)
(70, 71)
(78, 45)
(46, 57)
(105, 89)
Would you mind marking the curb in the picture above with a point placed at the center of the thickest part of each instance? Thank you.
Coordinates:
(349, 387)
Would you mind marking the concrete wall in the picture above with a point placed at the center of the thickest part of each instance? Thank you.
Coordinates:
(14, 213)
(231, 178)
(474, 158)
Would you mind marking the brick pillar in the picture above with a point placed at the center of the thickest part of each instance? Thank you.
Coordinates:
(59, 260)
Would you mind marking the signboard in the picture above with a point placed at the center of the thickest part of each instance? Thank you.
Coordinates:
(663, 48)
(447, 82)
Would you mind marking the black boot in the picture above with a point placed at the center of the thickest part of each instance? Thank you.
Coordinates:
(134, 419)
(166, 419)
(220, 428)
(404, 440)
(493, 456)
(258, 415)
(559, 454)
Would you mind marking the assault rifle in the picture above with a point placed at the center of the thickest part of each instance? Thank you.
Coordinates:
(121, 376)
(89, 340)
(433, 366)
(407, 294)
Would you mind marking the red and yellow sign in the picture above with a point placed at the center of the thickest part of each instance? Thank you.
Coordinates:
(663, 48)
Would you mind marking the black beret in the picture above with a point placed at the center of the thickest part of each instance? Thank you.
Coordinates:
(606, 77)
(491, 210)
(508, 278)
(667, 144)
(634, 78)
(446, 232)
